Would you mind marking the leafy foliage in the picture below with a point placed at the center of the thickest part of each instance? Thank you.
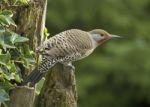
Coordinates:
(3, 97)
(17, 2)
(13, 52)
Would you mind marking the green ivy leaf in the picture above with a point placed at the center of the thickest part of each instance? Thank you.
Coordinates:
(5, 40)
(7, 13)
(2, 29)
(6, 21)
(21, 39)
(25, 2)
(17, 78)
(4, 59)
(11, 21)
(8, 39)
(9, 76)
(12, 67)
(3, 95)
(3, 20)
(27, 56)
(17, 38)
(46, 34)
(1, 71)
(6, 85)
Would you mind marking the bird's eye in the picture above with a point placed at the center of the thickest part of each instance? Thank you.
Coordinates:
(102, 34)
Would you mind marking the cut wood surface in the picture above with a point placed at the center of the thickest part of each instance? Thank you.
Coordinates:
(22, 96)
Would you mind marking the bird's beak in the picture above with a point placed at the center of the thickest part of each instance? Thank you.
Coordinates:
(114, 36)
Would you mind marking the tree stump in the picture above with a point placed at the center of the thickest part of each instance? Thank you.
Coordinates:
(59, 89)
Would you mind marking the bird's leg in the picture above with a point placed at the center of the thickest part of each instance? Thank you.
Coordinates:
(69, 66)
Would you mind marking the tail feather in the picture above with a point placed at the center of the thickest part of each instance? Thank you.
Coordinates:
(37, 74)
(33, 78)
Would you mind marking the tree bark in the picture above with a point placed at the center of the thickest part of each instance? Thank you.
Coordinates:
(30, 21)
(22, 97)
(59, 89)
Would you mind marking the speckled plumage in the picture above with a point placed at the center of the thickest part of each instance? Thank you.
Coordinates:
(65, 47)
(67, 43)
(70, 45)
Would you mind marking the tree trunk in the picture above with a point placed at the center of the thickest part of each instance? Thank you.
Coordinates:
(59, 89)
(22, 97)
(30, 21)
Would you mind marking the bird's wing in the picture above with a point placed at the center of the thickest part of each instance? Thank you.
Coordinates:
(66, 44)
(46, 45)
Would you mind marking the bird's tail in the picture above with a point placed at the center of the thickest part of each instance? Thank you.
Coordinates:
(33, 78)
(39, 72)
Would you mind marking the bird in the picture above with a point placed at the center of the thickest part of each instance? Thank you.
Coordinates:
(66, 47)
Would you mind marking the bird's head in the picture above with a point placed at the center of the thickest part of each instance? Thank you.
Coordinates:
(101, 36)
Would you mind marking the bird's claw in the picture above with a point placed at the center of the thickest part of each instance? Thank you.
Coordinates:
(70, 66)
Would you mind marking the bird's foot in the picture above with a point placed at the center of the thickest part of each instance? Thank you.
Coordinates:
(69, 66)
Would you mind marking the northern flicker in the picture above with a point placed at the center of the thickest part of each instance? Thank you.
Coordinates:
(66, 47)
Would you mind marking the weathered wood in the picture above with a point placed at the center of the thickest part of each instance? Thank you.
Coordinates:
(30, 21)
(59, 89)
(22, 97)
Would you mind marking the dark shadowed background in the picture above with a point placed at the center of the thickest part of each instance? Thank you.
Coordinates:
(117, 74)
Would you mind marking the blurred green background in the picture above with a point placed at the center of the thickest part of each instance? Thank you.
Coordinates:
(117, 74)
